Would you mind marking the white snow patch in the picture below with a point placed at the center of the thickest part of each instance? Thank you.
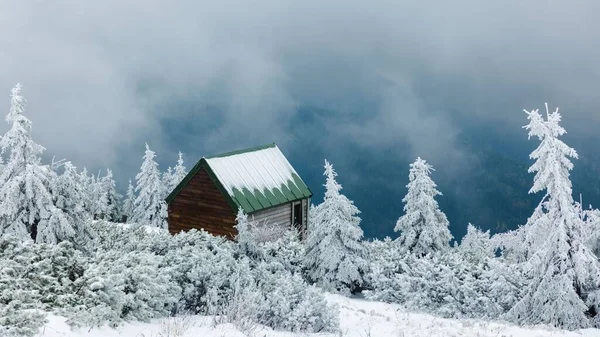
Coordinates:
(265, 169)
(359, 318)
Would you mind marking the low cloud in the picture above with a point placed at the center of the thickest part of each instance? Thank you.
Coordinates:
(101, 77)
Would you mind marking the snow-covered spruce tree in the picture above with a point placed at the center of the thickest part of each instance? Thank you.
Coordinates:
(150, 207)
(179, 172)
(424, 227)
(128, 204)
(87, 186)
(69, 193)
(109, 201)
(334, 250)
(476, 246)
(26, 203)
(565, 273)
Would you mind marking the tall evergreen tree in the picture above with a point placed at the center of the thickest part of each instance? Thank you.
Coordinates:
(424, 227)
(150, 207)
(334, 250)
(565, 273)
(26, 202)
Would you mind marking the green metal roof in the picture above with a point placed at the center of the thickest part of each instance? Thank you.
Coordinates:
(253, 179)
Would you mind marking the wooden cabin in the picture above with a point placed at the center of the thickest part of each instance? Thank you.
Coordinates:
(259, 180)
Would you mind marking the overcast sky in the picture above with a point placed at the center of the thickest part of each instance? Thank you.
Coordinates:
(103, 77)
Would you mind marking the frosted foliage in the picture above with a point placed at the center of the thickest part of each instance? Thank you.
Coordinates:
(448, 285)
(150, 207)
(592, 229)
(70, 195)
(109, 207)
(423, 228)
(565, 273)
(26, 203)
(334, 250)
(476, 246)
(179, 172)
(128, 205)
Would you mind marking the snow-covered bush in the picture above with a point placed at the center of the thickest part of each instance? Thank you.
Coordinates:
(281, 297)
(291, 304)
(448, 285)
(35, 278)
(124, 286)
(201, 265)
(19, 304)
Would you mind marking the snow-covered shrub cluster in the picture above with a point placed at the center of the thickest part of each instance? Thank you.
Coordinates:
(455, 284)
(289, 302)
(132, 273)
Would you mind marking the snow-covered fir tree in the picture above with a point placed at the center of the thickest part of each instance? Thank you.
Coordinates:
(69, 194)
(166, 181)
(175, 175)
(565, 273)
(86, 184)
(424, 227)
(334, 250)
(150, 207)
(26, 202)
(109, 201)
(128, 204)
(476, 245)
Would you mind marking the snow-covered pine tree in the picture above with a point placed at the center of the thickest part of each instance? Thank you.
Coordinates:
(565, 273)
(26, 203)
(69, 195)
(173, 176)
(334, 250)
(128, 204)
(86, 185)
(476, 245)
(179, 172)
(167, 176)
(424, 227)
(150, 207)
(109, 201)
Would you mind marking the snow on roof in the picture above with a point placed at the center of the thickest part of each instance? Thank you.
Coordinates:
(258, 178)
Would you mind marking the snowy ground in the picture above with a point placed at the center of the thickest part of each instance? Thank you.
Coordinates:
(359, 318)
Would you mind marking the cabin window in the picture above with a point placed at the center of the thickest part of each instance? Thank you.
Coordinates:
(297, 215)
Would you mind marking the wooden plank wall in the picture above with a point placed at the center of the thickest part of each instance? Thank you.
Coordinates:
(200, 204)
(281, 215)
